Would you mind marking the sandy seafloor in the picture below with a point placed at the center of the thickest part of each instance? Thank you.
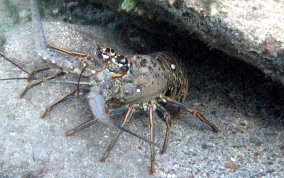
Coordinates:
(251, 136)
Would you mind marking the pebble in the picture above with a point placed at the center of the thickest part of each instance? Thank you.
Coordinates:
(231, 165)
(255, 140)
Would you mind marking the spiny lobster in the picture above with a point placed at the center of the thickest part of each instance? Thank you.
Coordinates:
(122, 84)
(125, 84)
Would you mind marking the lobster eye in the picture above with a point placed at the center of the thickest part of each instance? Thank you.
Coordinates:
(121, 59)
(124, 69)
(110, 51)
(107, 50)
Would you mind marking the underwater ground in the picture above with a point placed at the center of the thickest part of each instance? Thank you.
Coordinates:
(246, 106)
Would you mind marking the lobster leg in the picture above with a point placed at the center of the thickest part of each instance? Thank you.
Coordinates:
(35, 83)
(31, 76)
(193, 112)
(59, 100)
(80, 127)
(112, 113)
(118, 133)
(152, 169)
(69, 52)
(92, 121)
(118, 111)
(167, 119)
(169, 126)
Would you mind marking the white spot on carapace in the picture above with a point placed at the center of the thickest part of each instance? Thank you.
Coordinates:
(138, 90)
(145, 108)
(173, 66)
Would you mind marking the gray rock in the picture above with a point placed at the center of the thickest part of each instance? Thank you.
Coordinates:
(251, 31)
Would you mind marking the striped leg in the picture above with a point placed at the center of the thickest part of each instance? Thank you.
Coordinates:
(193, 112)
(152, 148)
(167, 119)
(59, 100)
(69, 52)
(35, 83)
(32, 75)
(111, 113)
(81, 127)
(118, 133)
(92, 121)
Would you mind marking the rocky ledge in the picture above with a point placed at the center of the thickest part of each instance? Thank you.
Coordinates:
(251, 31)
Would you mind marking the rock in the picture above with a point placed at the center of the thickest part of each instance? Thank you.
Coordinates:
(251, 31)
(2, 39)
(55, 11)
(255, 141)
(23, 13)
(231, 165)
(206, 146)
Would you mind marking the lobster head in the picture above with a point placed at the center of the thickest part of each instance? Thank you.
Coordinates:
(113, 61)
(112, 81)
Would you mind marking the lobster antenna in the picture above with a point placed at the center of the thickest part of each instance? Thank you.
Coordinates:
(135, 135)
(49, 81)
(40, 41)
(15, 78)
(44, 80)
(7, 59)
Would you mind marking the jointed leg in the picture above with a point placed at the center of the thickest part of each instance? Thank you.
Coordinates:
(167, 118)
(70, 52)
(202, 118)
(152, 169)
(57, 102)
(92, 121)
(80, 127)
(35, 83)
(118, 133)
(117, 111)
(195, 113)
(31, 76)
(111, 113)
